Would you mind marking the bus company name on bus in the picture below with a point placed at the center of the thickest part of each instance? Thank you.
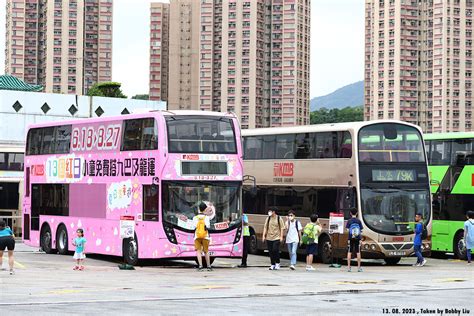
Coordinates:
(283, 171)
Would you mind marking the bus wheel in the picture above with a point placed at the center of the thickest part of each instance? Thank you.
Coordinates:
(253, 244)
(325, 250)
(130, 251)
(62, 240)
(392, 261)
(459, 247)
(46, 239)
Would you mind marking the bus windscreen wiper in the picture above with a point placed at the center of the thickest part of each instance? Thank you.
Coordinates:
(404, 189)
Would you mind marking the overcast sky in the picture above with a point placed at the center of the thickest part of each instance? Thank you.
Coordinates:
(337, 44)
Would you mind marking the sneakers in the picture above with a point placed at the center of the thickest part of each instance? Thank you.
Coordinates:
(277, 266)
(272, 267)
(423, 263)
(200, 268)
(416, 264)
(242, 266)
(209, 269)
(348, 269)
(81, 268)
(359, 270)
(12, 272)
(292, 267)
(310, 268)
(76, 268)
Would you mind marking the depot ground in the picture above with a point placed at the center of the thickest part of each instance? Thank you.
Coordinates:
(45, 284)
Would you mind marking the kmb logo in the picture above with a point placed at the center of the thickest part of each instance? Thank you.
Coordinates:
(283, 169)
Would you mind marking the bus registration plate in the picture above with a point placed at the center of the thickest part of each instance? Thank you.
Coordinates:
(397, 253)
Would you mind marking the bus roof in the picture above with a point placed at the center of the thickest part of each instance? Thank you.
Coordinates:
(318, 128)
(132, 116)
(442, 136)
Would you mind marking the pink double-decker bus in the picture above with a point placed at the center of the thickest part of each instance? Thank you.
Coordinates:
(133, 184)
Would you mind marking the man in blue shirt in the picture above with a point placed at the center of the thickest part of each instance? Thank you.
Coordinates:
(418, 241)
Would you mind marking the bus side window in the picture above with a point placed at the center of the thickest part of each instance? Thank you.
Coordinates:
(150, 203)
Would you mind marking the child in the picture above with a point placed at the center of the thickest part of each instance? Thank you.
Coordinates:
(469, 234)
(354, 226)
(310, 238)
(79, 242)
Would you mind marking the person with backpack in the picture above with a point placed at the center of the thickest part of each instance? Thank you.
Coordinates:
(354, 226)
(246, 235)
(202, 224)
(293, 236)
(273, 231)
(310, 238)
(420, 234)
(469, 235)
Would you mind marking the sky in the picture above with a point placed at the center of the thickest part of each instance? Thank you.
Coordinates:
(337, 44)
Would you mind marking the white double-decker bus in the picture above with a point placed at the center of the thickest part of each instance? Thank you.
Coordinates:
(376, 167)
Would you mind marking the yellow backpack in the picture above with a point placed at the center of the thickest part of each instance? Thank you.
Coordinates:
(201, 230)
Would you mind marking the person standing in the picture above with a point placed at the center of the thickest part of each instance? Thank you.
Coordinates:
(246, 234)
(201, 223)
(273, 234)
(420, 261)
(310, 239)
(79, 254)
(354, 226)
(469, 235)
(293, 237)
(7, 241)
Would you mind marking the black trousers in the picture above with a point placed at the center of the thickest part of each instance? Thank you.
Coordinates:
(273, 247)
(246, 250)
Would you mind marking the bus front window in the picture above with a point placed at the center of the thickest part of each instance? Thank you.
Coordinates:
(181, 200)
(390, 142)
(392, 211)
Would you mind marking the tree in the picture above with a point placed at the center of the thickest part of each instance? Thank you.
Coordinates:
(106, 89)
(347, 114)
(141, 97)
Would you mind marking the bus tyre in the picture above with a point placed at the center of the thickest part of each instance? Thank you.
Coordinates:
(46, 240)
(130, 251)
(459, 247)
(253, 244)
(62, 240)
(392, 261)
(325, 250)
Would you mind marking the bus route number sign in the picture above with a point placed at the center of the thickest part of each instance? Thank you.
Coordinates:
(397, 175)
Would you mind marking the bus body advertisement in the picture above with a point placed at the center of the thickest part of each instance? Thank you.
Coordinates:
(451, 168)
(332, 168)
(153, 168)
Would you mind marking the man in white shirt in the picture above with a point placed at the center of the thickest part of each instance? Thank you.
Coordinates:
(293, 237)
(201, 224)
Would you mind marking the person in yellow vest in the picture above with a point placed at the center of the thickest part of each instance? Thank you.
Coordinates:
(202, 224)
(246, 234)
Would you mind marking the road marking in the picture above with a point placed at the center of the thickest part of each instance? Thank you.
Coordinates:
(16, 263)
(352, 282)
(210, 287)
(450, 280)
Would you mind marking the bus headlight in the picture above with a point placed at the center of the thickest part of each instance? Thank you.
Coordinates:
(170, 233)
(366, 246)
(238, 234)
(373, 247)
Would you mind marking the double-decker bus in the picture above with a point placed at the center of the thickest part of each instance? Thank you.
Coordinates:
(152, 169)
(451, 167)
(377, 167)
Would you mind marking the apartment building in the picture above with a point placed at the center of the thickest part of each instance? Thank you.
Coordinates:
(418, 63)
(248, 57)
(159, 47)
(66, 46)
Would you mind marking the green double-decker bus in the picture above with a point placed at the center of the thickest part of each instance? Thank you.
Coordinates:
(451, 168)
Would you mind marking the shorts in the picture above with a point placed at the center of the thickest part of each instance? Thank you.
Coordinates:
(201, 243)
(312, 249)
(79, 256)
(354, 246)
(7, 242)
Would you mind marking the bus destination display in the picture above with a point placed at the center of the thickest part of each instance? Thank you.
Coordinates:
(397, 175)
(206, 168)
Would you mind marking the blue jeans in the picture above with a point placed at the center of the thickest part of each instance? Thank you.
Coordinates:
(292, 249)
(468, 255)
(418, 254)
